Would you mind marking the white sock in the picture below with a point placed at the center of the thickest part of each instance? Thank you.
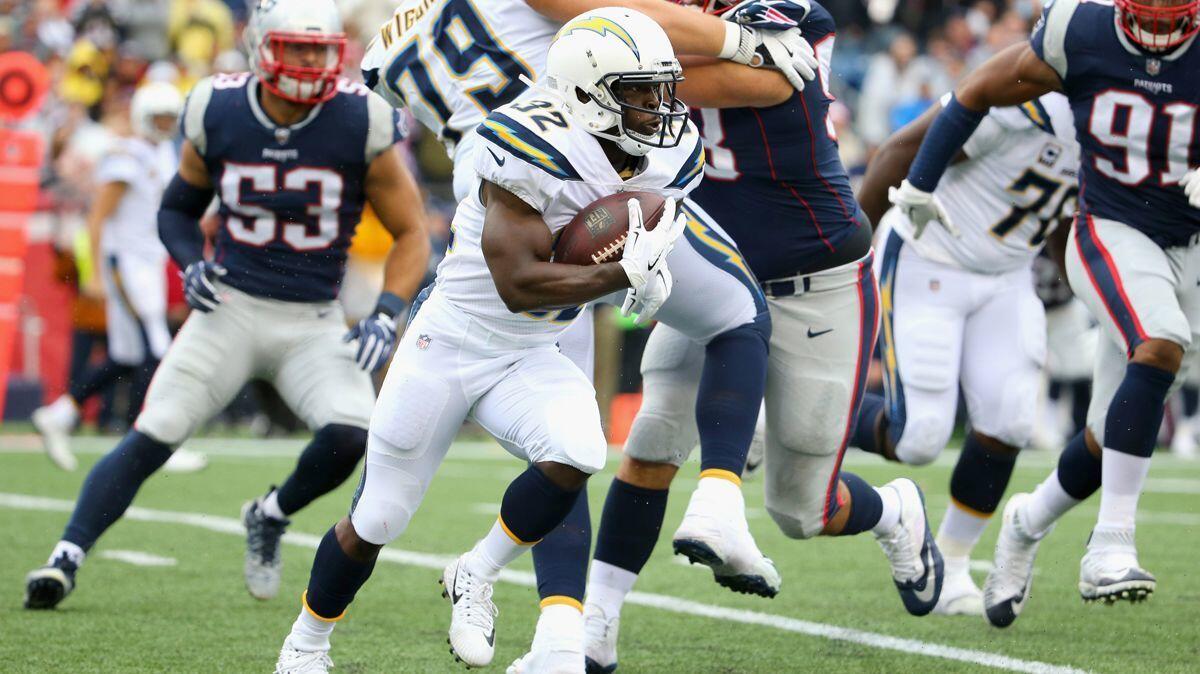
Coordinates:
(1047, 503)
(559, 628)
(891, 510)
(310, 633)
(607, 587)
(72, 551)
(960, 531)
(270, 506)
(494, 552)
(1122, 478)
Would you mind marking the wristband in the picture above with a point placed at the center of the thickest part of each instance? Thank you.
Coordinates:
(390, 304)
(949, 132)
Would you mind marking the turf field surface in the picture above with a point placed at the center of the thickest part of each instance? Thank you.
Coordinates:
(162, 591)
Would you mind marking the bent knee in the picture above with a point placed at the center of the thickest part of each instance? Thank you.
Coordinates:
(1159, 353)
(795, 526)
(379, 519)
(923, 438)
(163, 425)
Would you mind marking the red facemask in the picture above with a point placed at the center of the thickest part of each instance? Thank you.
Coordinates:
(312, 82)
(1158, 28)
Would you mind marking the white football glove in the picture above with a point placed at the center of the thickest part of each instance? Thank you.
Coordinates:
(921, 208)
(647, 301)
(789, 52)
(1191, 187)
(645, 249)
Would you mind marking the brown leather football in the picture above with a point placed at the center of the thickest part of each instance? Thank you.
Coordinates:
(597, 233)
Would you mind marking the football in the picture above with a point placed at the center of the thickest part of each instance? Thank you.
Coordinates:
(597, 233)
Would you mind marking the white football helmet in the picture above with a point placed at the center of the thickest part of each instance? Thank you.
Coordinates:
(154, 99)
(597, 55)
(297, 48)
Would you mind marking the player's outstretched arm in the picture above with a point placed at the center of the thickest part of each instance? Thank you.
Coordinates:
(710, 83)
(396, 199)
(518, 246)
(890, 164)
(777, 46)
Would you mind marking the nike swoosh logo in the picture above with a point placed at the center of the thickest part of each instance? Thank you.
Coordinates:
(925, 593)
(812, 334)
(499, 160)
(491, 638)
(454, 593)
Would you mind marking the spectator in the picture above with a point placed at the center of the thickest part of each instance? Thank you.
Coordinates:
(899, 76)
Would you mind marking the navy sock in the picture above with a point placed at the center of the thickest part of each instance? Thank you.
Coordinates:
(560, 560)
(533, 505)
(335, 578)
(1078, 470)
(1191, 400)
(1055, 390)
(111, 485)
(981, 476)
(629, 528)
(100, 377)
(866, 508)
(730, 397)
(1136, 411)
(1081, 399)
(328, 461)
(866, 429)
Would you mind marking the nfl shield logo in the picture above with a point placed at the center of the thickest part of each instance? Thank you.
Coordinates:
(282, 134)
(423, 342)
(935, 285)
(1153, 67)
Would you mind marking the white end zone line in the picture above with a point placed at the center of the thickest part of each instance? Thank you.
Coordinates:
(228, 525)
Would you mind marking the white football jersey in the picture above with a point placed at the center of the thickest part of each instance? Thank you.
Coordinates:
(1020, 177)
(533, 149)
(146, 169)
(451, 62)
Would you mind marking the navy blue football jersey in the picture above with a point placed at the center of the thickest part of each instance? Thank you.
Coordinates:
(773, 177)
(290, 197)
(1135, 117)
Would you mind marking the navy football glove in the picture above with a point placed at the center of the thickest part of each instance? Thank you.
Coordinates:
(376, 334)
(198, 288)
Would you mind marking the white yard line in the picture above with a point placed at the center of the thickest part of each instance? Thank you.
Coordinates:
(138, 558)
(228, 525)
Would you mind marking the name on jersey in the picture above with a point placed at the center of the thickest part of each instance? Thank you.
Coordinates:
(1154, 87)
(403, 21)
(280, 155)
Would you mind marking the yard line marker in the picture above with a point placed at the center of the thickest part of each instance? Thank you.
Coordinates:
(228, 525)
(138, 558)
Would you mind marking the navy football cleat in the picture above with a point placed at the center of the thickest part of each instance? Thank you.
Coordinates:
(917, 566)
(46, 587)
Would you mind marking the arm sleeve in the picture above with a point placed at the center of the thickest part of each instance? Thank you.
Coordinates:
(386, 126)
(496, 164)
(179, 221)
(1049, 39)
(191, 121)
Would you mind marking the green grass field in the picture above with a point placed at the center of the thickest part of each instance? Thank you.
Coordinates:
(837, 612)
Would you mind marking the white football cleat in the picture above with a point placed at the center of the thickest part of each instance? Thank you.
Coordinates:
(263, 567)
(54, 423)
(539, 661)
(714, 533)
(960, 595)
(917, 566)
(1007, 586)
(600, 640)
(185, 461)
(557, 643)
(295, 661)
(473, 615)
(1109, 571)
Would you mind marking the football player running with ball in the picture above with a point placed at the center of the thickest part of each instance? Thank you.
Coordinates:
(1129, 70)
(483, 345)
(961, 309)
(774, 178)
(265, 306)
